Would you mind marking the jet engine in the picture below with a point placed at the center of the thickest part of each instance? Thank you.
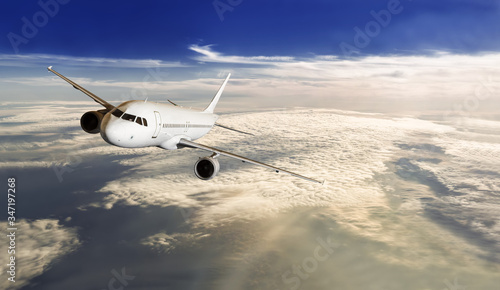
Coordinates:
(206, 168)
(91, 122)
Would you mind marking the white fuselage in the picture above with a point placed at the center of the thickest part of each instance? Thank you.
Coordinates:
(136, 124)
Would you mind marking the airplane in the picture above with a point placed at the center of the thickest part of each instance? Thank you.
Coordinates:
(136, 124)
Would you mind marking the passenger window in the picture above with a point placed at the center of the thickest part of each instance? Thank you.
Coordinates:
(139, 120)
(128, 117)
(145, 122)
(117, 113)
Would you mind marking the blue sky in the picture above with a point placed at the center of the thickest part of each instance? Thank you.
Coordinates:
(193, 44)
(164, 29)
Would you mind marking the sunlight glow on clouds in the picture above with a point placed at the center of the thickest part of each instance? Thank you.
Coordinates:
(440, 80)
(439, 76)
(361, 156)
(346, 153)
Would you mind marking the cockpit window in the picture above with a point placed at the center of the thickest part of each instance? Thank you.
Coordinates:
(128, 117)
(117, 113)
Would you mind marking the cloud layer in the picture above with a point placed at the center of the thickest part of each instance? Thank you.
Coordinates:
(36, 60)
(404, 195)
(461, 84)
(39, 244)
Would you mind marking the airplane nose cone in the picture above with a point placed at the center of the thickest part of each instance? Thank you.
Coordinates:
(112, 132)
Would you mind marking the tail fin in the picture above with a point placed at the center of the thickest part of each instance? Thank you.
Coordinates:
(215, 100)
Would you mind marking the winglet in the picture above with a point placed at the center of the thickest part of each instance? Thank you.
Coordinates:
(215, 100)
(49, 68)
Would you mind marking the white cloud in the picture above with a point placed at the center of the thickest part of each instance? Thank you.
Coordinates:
(462, 84)
(321, 80)
(209, 55)
(39, 243)
(346, 150)
(163, 243)
(350, 150)
(30, 60)
(354, 151)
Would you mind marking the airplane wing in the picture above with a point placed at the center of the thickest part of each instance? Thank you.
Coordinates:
(192, 144)
(80, 88)
(232, 129)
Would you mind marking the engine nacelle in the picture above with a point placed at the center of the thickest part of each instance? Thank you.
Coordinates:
(206, 168)
(91, 122)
